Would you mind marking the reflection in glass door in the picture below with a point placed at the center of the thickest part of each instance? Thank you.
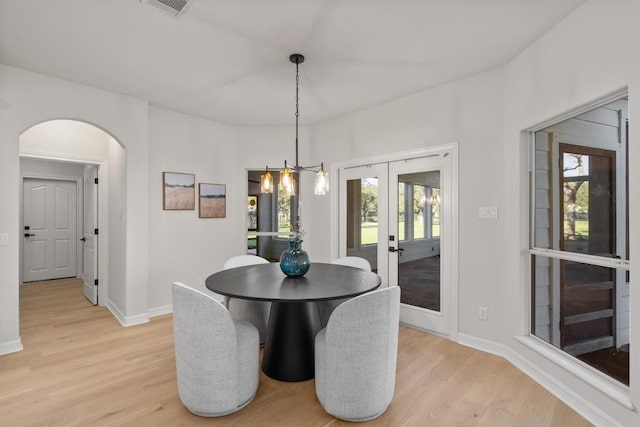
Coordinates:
(418, 224)
(363, 213)
(417, 235)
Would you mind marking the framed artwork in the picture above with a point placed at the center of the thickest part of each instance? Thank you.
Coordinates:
(213, 200)
(178, 191)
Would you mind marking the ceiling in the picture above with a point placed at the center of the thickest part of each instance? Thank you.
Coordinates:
(228, 60)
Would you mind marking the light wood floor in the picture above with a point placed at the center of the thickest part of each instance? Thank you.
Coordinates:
(80, 367)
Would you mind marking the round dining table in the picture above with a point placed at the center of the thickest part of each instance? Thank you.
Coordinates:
(294, 319)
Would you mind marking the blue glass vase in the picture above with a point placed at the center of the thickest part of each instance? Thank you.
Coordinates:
(294, 261)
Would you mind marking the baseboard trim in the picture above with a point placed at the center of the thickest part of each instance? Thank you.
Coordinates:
(160, 311)
(126, 320)
(8, 347)
(591, 412)
(588, 410)
(483, 345)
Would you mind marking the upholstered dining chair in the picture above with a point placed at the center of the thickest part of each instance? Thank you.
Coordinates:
(217, 358)
(254, 312)
(355, 356)
(325, 308)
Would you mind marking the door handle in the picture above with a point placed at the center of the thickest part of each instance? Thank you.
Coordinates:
(392, 249)
(29, 234)
(84, 239)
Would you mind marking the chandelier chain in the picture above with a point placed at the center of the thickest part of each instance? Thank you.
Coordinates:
(297, 108)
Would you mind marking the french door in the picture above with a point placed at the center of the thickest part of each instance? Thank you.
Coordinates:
(397, 215)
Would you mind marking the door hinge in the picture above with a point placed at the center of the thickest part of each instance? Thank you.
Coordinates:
(95, 180)
(95, 231)
(95, 282)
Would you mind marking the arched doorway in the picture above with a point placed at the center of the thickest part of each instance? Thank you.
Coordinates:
(65, 154)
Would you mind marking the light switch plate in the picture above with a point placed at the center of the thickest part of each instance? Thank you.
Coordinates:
(488, 212)
(4, 239)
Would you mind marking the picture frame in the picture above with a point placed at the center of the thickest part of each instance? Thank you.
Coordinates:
(178, 191)
(212, 200)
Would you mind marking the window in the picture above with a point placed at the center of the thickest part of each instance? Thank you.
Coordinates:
(419, 212)
(579, 251)
(284, 213)
(420, 207)
(434, 203)
(369, 211)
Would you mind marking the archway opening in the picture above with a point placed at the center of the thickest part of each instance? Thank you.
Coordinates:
(85, 166)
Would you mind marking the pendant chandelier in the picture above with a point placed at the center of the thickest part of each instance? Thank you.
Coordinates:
(289, 180)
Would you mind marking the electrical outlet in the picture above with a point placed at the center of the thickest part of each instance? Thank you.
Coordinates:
(4, 239)
(483, 313)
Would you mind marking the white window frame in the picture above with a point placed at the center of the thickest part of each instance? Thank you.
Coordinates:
(597, 379)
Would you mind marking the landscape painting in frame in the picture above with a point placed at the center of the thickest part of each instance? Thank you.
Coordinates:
(213, 200)
(179, 191)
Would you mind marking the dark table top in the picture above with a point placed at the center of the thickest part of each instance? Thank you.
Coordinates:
(266, 282)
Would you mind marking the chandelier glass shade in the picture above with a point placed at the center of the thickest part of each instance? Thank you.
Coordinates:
(266, 181)
(321, 186)
(287, 181)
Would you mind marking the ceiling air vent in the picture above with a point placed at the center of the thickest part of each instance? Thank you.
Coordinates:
(175, 8)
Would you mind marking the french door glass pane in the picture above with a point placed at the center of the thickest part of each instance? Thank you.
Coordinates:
(401, 214)
(368, 209)
(362, 219)
(419, 260)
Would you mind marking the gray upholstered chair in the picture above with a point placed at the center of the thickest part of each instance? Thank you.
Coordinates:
(216, 357)
(254, 312)
(325, 308)
(355, 356)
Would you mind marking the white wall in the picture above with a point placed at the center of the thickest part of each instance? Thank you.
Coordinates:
(116, 215)
(182, 246)
(68, 138)
(38, 167)
(469, 112)
(590, 54)
(27, 99)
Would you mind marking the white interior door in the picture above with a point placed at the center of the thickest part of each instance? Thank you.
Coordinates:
(89, 235)
(49, 219)
(419, 233)
(364, 215)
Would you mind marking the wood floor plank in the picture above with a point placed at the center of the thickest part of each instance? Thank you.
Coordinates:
(79, 367)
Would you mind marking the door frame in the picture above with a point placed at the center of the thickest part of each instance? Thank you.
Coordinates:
(450, 149)
(103, 210)
(90, 288)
